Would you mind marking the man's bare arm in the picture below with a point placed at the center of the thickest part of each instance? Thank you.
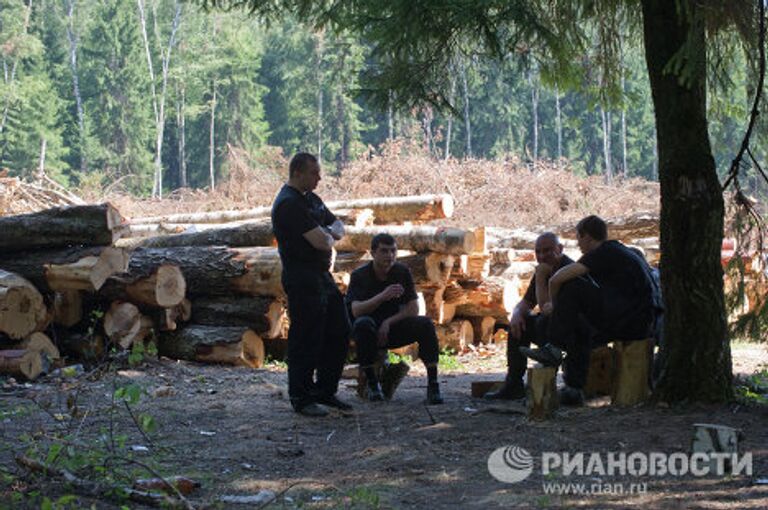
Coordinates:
(565, 274)
(541, 280)
(319, 239)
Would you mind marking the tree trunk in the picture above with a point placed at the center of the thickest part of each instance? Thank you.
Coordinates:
(85, 225)
(182, 135)
(228, 345)
(429, 268)
(211, 139)
(67, 269)
(248, 234)
(467, 123)
(157, 286)
(261, 314)
(22, 311)
(558, 124)
(439, 239)
(534, 116)
(217, 270)
(451, 99)
(698, 360)
(606, 120)
(25, 363)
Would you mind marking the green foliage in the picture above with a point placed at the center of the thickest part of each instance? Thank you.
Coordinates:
(449, 361)
(395, 358)
(754, 388)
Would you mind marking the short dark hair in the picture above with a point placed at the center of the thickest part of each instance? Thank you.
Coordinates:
(594, 227)
(383, 238)
(300, 162)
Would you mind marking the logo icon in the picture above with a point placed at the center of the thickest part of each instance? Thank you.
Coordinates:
(510, 464)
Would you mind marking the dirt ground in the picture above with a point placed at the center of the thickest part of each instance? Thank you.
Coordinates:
(232, 429)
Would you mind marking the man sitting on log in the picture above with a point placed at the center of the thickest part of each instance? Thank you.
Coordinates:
(318, 338)
(383, 303)
(607, 292)
(525, 326)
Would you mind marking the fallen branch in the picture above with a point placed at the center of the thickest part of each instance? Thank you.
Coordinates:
(97, 490)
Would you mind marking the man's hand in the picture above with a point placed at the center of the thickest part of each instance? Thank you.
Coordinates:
(383, 334)
(393, 291)
(546, 308)
(336, 229)
(517, 326)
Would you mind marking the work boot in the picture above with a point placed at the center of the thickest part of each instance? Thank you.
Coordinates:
(313, 409)
(548, 355)
(433, 394)
(570, 396)
(334, 401)
(392, 377)
(510, 391)
(374, 392)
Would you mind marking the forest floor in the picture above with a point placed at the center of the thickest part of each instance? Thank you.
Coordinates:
(232, 429)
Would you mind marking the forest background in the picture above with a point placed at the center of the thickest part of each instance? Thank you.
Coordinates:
(148, 96)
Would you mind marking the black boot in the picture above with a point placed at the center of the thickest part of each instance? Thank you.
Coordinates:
(510, 391)
(433, 394)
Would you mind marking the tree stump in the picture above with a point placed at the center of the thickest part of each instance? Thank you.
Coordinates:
(630, 374)
(541, 392)
(600, 373)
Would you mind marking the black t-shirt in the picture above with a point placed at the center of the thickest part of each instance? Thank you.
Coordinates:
(530, 293)
(293, 215)
(625, 287)
(363, 285)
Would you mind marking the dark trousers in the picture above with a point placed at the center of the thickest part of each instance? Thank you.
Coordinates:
(572, 326)
(318, 338)
(406, 331)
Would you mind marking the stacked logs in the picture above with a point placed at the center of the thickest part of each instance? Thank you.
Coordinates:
(211, 290)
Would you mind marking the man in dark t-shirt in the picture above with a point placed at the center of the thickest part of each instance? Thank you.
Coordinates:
(525, 326)
(617, 303)
(383, 303)
(318, 337)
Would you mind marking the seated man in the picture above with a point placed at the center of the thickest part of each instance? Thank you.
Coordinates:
(525, 326)
(608, 291)
(382, 300)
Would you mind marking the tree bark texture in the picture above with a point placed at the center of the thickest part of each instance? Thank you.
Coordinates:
(86, 225)
(218, 270)
(81, 268)
(452, 241)
(698, 357)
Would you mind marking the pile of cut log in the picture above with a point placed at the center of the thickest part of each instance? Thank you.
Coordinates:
(206, 286)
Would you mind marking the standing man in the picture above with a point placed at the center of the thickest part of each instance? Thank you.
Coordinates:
(610, 289)
(383, 303)
(525, 326)
(318, 338)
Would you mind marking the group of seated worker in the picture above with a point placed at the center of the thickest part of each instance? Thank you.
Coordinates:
(571, 307)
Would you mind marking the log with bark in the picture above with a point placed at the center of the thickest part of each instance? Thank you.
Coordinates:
(61, 269)
(256, 233)
(162, 286)
(541, 392)
(230, 345)
(429, 268)
(68, 308)
(40, 342)
(87, 225)
(483, 328)
(455, 335)
(492, 296)
(448, 240)
(217, 270)
(22, 310)
(629, 385)
(27, 363)
(262, 314)
(124, 324)
(385, 210)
